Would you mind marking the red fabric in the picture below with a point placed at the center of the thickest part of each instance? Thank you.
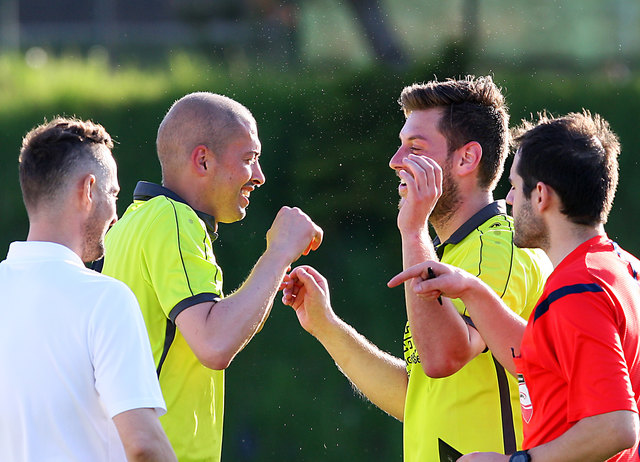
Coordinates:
(580, 354)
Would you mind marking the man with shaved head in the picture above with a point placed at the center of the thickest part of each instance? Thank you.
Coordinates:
(209, 152)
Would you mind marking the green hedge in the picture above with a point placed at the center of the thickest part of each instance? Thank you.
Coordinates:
(327, 138)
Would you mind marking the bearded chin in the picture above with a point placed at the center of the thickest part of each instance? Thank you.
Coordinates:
(448, 203)
(531, 234)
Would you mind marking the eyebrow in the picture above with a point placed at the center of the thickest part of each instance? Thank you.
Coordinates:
(414, 137)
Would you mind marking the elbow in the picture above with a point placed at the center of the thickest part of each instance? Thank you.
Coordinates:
(216, 360)
(627, 433)
(622, 429)
(215, 357)
(441, 369)
(629, 441)
(445, 363)
(142, 449)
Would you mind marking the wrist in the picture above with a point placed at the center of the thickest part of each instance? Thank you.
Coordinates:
(414, 234)
(417, 247)
(328, 326)
(278, 256)
(474, 291)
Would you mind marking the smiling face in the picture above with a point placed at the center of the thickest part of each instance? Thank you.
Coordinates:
(530, 231)
(420, 136)
(236, 172)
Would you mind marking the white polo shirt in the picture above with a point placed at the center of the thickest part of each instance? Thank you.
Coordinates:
(74, 353)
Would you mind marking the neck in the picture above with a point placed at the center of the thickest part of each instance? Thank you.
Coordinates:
(190, 194)
(565, 237)
(472, 203)
(58, 231)
(186, 191)
(176, 186)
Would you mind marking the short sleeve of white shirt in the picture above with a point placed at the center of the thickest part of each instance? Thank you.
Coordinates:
(125, 375)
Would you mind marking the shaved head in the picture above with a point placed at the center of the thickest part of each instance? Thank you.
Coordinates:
(198, 119)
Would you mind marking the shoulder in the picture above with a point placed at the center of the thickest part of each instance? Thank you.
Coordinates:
(569, 290)
(489, 243)
(105, 287)
(157, 218)
(159, 208)
(496, 237)
(113, 304)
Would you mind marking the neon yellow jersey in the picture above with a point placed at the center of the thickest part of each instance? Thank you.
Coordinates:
(478, 407)
(161, 249)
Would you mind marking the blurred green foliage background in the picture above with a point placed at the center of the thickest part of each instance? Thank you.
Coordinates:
(328, 127)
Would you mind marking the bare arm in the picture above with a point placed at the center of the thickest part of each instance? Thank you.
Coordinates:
(592, 439)
(143, 437)
(443, 339)
(501, 328)
(381, 377)
(217, 332)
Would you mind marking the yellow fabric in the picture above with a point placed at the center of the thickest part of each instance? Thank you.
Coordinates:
(161, 250)
(464, 409)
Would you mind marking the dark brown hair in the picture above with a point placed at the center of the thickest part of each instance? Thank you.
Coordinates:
(577, 155)
(52, 150)
(473, 109)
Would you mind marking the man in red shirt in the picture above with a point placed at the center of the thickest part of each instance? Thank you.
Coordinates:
(578, 357)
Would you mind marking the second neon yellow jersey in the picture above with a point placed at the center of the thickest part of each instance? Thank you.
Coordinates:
(478, 407)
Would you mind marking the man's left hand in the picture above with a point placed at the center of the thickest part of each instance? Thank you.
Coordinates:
(423, 177)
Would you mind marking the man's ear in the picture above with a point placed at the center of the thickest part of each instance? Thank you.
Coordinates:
(467, 158)
(201, 160)
(86, 191)
(543, 196)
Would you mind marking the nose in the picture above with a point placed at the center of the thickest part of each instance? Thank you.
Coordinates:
(509, 197)
(396, 160)
(258, 177)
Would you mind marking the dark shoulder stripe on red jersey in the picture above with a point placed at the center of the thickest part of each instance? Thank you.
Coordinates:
(557, 294)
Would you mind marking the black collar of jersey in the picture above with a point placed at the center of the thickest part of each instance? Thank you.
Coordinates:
(146, 190)
(488, 211)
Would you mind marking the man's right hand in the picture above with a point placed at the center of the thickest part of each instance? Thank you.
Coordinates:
(293, 233)
(444, 279)
(307, 292)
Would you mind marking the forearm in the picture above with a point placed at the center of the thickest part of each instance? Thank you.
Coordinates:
(443, 339)
(592, 439)
(142, 436)
(500, 328)
(231, 323)
(379, 376)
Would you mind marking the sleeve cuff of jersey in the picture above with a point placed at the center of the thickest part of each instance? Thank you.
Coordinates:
(158, 405)
(193, 300)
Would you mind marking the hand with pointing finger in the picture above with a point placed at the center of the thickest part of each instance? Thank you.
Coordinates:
(443, 279)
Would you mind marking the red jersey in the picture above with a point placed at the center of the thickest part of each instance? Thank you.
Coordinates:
(580, 353)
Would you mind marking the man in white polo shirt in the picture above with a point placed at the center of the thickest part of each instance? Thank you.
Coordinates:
(78, 381)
